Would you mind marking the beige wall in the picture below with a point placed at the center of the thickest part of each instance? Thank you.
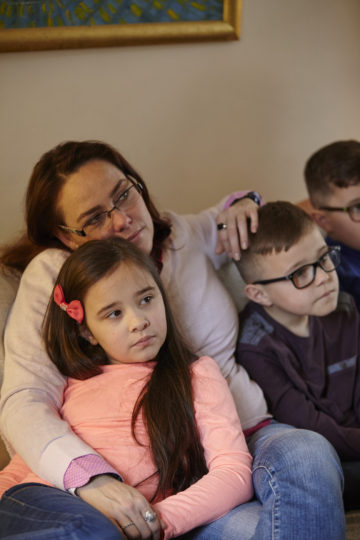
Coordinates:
(197, 120)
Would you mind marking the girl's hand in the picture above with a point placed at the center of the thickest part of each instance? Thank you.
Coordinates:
(234, 236)
(124, 505)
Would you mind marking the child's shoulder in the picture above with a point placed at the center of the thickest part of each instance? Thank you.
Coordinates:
(254, 324)
(207, 379)
(205, 364)
(206, 368)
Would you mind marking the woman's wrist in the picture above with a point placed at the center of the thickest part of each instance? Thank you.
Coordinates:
(252, 195)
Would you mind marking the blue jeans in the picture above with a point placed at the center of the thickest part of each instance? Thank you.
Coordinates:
(298, 484)
(41, 512)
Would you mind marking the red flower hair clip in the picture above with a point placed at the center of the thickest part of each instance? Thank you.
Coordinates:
(74, 309)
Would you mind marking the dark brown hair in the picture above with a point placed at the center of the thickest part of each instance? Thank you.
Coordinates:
(41, 212)
(281, 225)
(166, 400)
(337, 164)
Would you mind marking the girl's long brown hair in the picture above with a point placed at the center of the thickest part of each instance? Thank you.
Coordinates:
(166, 401)
(42, 214)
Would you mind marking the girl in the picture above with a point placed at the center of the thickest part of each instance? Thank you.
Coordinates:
(163, 419)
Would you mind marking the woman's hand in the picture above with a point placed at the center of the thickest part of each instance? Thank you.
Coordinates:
(124, 505)
(234, 236)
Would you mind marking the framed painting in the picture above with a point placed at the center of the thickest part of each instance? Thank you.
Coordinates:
(33, 25)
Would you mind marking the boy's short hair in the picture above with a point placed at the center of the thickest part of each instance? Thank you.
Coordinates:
(337, 164)
(281, 225)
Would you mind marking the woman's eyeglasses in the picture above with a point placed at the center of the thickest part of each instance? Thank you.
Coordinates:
(99, 222)
(305, 275)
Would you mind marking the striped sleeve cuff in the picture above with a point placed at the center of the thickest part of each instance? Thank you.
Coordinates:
(83, 468)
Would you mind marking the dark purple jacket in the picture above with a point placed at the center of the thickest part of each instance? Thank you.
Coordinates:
(309, 382)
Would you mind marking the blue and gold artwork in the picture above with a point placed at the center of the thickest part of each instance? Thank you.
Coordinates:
(64, 13)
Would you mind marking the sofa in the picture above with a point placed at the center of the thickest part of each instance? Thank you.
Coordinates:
(228, 274)
(8, 287)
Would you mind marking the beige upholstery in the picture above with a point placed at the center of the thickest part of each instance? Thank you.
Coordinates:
(4, 456)
(234, 283)
(8, 287)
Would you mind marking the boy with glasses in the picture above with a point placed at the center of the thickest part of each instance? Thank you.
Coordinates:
(332, 176)
(297, 339)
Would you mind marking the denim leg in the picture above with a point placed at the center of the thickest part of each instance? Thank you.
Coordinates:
(298, 479)
(39, 512)
(238, 524)
(298, 482)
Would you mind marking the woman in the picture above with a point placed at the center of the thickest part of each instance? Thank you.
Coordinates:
(86, 190)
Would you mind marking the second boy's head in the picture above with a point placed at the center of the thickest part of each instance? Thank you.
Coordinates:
(332, 176)
(288, 268)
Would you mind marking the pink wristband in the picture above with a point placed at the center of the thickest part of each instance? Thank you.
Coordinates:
(233, 197)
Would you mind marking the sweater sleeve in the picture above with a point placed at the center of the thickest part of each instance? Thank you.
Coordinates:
(32, 391)
(226, 454)
(212, 325)
(291, 405)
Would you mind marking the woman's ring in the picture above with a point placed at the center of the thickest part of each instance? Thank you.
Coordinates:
(149, 516)
(128, 525)
(221, 226)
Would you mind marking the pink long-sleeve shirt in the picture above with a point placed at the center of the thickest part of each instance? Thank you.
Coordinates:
(99, 411)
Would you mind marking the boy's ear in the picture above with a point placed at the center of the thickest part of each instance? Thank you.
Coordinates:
(86, 334)
(321, 220)
(258, 294)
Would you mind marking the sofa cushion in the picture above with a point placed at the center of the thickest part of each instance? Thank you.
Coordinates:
(233, 282)
(9, 283)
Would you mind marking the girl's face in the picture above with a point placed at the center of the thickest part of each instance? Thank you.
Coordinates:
(125, 315)
(93, 189)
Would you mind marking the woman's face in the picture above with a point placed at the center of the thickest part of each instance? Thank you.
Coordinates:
(93, 189)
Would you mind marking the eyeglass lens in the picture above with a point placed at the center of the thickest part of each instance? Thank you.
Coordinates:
(305, 275)
(354, 212)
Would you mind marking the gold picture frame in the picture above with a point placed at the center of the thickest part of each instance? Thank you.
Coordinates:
(74, 37)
